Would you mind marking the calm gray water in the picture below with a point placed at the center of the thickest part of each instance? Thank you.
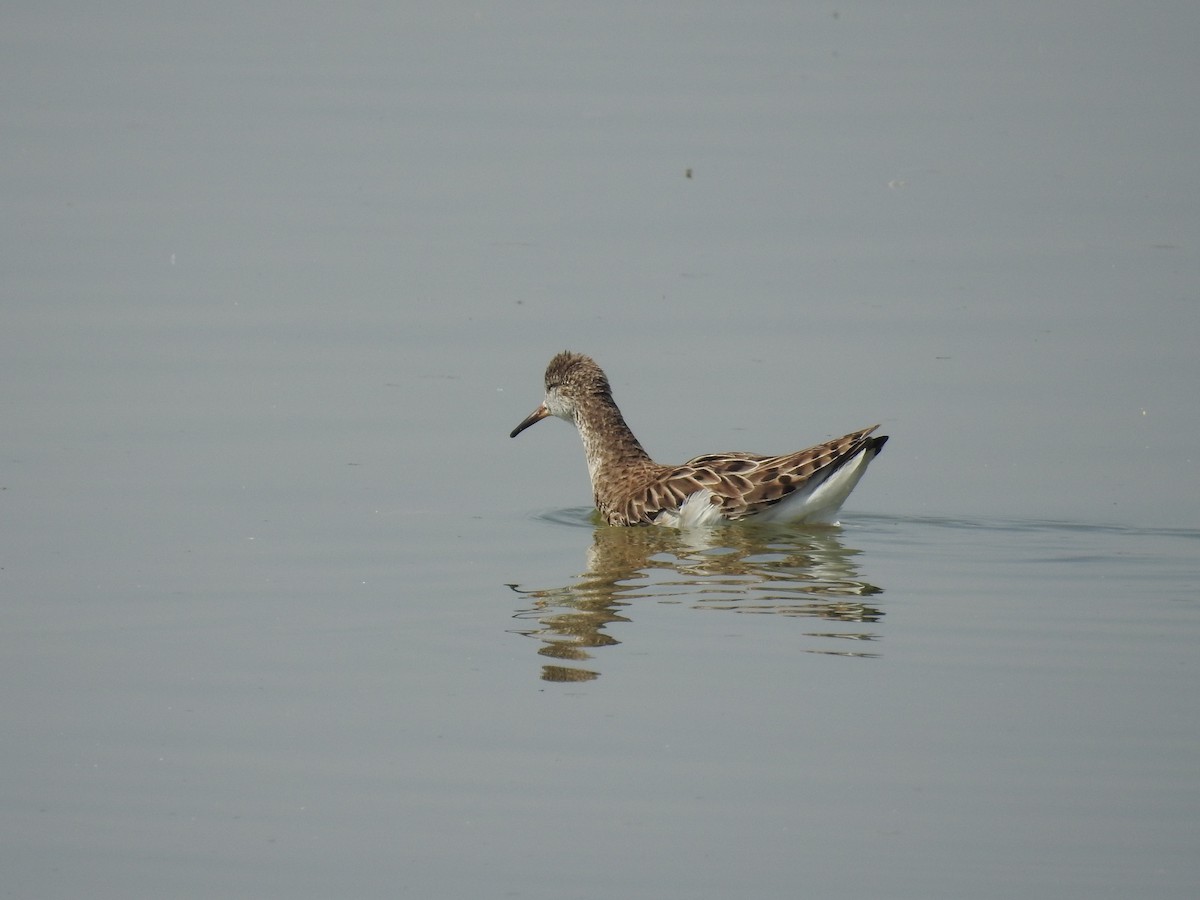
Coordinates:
(284, 612)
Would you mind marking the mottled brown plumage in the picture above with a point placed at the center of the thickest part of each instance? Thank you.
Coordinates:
(629, 488)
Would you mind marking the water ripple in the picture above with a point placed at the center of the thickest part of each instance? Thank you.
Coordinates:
(794, 572)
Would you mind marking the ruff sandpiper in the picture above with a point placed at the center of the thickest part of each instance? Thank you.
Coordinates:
(632, 489)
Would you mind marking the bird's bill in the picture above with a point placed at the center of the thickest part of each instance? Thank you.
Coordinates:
(534, 417)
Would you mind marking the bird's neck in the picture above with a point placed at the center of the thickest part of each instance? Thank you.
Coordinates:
(608, 442)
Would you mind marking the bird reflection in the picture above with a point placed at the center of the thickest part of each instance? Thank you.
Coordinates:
(801, 572)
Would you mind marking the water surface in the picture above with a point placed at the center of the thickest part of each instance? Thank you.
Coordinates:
(284, 612)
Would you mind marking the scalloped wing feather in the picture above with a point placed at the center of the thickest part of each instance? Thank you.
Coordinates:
(804, 485)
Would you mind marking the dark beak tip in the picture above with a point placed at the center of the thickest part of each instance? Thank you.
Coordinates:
(532, 419)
